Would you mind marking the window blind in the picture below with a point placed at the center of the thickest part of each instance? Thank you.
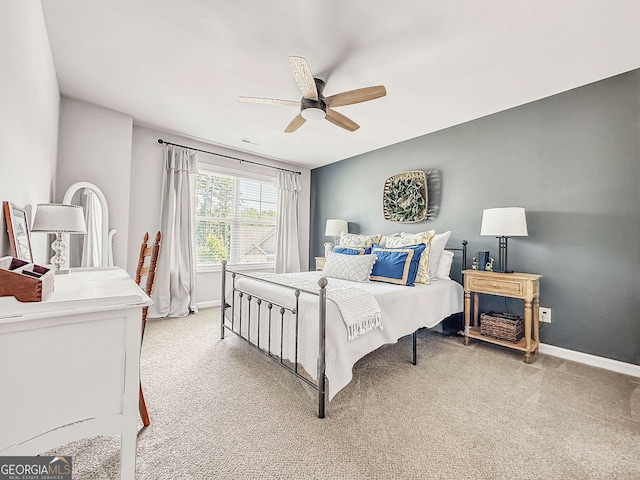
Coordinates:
(235, 218)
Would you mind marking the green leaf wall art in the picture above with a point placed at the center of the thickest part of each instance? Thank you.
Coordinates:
(404, 199)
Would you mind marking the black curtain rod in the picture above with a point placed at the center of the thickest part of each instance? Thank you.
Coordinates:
(160, 141)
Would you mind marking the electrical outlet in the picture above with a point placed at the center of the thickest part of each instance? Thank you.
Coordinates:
(544, 315)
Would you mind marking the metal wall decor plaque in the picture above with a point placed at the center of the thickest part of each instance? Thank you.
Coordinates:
(405, 197)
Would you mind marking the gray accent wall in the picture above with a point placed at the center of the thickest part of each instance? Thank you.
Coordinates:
(572, 160)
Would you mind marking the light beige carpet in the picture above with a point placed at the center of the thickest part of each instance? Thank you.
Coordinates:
(221, 410)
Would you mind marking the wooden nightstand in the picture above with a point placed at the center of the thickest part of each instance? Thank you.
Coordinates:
(320, 263)
(525, 286)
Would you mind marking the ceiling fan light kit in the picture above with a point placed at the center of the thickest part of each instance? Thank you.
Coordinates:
(312, 112)
(314, 105)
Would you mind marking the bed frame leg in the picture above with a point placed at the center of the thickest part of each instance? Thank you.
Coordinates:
(223, 302)
(415, 353)
(322, 307)
(321, 397)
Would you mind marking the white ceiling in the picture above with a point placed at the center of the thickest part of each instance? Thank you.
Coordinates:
(180, 65)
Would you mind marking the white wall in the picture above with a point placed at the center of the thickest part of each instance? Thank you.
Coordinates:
(95, 146)
(29, 100)
(146, 175)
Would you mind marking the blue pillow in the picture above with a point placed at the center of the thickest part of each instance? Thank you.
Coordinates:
(352, 250)
(397, 265)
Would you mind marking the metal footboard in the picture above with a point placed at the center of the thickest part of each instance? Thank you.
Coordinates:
(278, 311)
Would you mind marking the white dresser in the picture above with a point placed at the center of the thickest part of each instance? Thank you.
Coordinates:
(70, 365)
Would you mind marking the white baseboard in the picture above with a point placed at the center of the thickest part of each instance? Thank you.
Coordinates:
(212, 303)
(593, 360)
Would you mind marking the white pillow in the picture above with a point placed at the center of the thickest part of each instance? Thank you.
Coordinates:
(356, 268)
(444, 267)
(438, 243)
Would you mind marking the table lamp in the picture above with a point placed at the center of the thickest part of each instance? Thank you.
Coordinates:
(504, 223)
(335, 228)
(59, 218)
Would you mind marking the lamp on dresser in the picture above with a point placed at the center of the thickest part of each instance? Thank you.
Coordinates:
(335, 227)
(503, 223)
(59, 218)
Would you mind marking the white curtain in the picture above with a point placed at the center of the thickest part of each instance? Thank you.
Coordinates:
(174, 292)
(287, 252)
(92, 245)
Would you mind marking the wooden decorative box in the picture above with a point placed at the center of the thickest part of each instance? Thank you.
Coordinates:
(26, 281)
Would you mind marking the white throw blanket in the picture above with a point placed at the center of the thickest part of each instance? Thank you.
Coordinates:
(360, 310)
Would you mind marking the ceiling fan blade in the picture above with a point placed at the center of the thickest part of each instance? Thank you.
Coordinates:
(304, 78)
(295, 124)
(355, 96)
(341, 121)
(269, 101)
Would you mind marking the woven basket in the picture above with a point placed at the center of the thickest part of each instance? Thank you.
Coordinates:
(503, 326)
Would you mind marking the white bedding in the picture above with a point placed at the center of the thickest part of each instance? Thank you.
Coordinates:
(404, 310)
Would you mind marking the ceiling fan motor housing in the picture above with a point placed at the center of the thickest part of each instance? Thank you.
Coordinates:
(312, 109)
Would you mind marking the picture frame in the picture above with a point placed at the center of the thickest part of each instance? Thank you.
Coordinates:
(18, 229)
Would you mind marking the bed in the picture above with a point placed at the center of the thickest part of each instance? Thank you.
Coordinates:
(299, 320)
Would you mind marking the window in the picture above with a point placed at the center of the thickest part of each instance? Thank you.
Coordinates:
(235, 218)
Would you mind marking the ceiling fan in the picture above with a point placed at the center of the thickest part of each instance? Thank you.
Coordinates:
(314, 105)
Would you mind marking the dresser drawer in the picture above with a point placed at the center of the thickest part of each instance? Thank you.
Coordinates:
(509, 288)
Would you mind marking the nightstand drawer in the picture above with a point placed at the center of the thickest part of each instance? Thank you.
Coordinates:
(510, 288)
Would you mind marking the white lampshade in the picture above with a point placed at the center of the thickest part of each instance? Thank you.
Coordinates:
(336, 227)
(504, 222)
(59, 218)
